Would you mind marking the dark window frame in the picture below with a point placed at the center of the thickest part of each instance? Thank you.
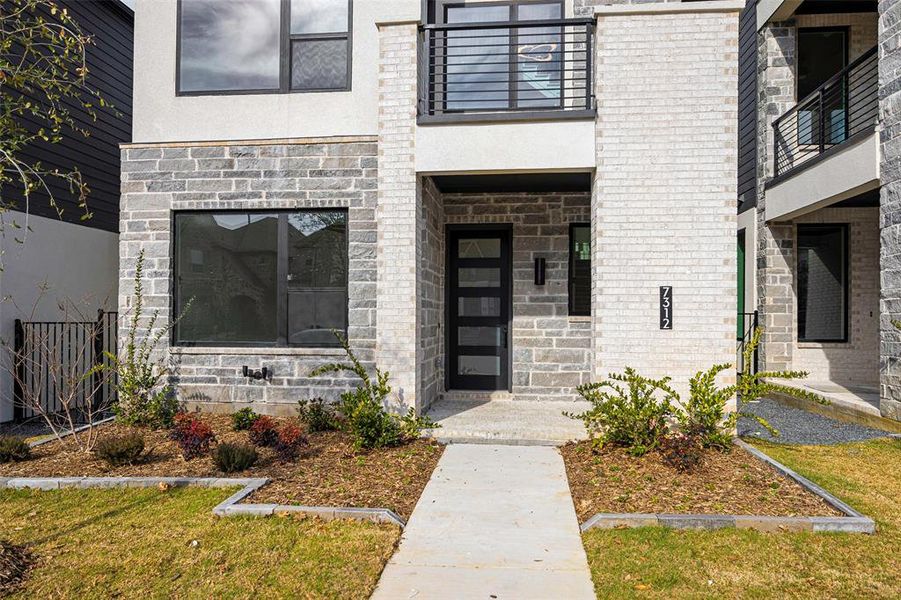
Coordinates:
(440, 17)
(282, 290)
(844, 29)
(285, 56)
(572, 263)
(846, 283)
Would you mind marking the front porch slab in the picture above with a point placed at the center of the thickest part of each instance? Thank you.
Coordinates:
(509, 421)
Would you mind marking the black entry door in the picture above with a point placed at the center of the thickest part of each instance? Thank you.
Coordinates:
(479, 295)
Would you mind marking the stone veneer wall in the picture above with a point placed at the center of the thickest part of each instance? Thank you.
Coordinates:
(856, 361)
(664, 201)
(551, 350)
(890, 211)
(431, 292)
(308, 174)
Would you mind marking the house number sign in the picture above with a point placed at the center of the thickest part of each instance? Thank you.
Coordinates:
(666, 307)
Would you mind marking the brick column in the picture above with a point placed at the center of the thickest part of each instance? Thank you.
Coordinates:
(664, 198)
(397, 288)
(890, 211)
(775, 241)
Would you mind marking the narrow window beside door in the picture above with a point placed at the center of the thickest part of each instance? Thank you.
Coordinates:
(580, 269)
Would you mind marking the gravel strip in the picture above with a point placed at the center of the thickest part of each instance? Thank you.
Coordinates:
(797, 426)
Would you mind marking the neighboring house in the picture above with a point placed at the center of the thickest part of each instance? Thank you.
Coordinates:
(489, 199)
(77, 259)
(818, 206)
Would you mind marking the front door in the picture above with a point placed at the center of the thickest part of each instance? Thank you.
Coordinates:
(479, 298)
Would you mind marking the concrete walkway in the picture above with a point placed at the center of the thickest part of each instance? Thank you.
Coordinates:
(493, 522)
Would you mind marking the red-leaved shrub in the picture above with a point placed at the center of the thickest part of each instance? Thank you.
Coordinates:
(263, 432)
(192, 435)
(290, 439)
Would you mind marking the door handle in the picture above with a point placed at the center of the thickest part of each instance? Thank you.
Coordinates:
(504, 332)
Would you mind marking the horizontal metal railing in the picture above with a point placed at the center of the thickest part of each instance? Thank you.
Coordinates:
(506, 67)
(844, 106)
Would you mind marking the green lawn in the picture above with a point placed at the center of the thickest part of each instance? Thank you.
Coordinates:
(660, 563)
(162, 544)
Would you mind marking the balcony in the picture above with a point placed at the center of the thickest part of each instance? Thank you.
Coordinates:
(826, 148)
(842, 110)
(506, 71)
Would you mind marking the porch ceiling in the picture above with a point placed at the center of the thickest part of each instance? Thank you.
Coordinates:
(513, 182)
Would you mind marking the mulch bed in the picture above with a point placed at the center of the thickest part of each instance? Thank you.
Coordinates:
(328, 472)
(14, 564)
(611, 481)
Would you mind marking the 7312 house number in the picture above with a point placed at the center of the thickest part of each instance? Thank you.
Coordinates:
(666, 307)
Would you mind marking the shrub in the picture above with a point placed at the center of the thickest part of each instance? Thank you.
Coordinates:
(121, 450)
(243, 419)
(13, 449)
(231, 458)
(192, 435)
(682, 451)
(139, 369)
(263, 432)
(634, 416)
(290, 439)
(156, 411)
(705, 410)
(363, 409)
(318, 415)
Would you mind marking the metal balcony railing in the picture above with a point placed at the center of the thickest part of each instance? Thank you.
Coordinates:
(526, 67)
(846, 105)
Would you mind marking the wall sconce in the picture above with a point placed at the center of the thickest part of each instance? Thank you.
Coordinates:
(539, 271)
(263, 373)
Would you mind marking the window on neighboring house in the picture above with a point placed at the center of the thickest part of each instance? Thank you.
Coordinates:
(261, 278)
(580, 269)
(822, 279)
(822, 54)
(263, 46)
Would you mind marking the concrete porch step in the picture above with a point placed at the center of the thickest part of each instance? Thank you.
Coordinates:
(507, 421)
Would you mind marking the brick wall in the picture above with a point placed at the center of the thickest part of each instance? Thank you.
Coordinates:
(157, 181)
(398, 204)
(664, 202)
(551, 350)
(890, 215)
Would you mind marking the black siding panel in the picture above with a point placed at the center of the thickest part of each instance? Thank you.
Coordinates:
(109, 61)
(747, 107)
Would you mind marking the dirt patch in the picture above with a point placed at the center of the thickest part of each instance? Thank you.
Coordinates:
(328, 472)
(735, 482)
(14, 564)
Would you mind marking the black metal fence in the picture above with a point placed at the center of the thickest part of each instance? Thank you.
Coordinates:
(843, 107)
(747, 324)
(53, 364)
(526, 66)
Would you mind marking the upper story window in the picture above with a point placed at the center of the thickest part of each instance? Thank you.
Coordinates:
(263, 46)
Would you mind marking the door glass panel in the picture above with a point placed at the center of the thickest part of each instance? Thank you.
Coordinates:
(477, 75)
(469, 277)
(479, 365)
(479, 336)
(479, 307)
(540, 57)
(479, 248)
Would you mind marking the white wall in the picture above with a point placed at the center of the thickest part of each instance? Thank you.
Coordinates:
(160, 116)
(77, 263)
(504, 147)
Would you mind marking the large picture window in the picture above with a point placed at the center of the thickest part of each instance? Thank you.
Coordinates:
(822, 280)
(260, 46)
(580, 269)
(261, 278)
